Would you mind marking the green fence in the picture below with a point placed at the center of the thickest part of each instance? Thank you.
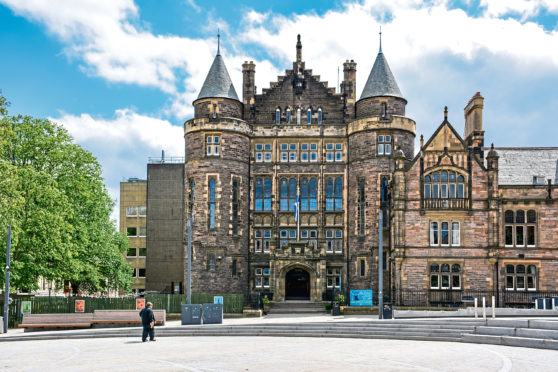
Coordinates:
(232, 303)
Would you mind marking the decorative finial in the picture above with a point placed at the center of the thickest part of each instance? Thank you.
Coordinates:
(421, 141)
(218, 42)
(298, 49)
(492, 146)
(445, 112)
(380, 39)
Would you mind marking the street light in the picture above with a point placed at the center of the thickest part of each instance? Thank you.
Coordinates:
(7, 290)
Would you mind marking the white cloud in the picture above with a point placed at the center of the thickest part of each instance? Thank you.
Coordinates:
(124, 143)
(525, 8)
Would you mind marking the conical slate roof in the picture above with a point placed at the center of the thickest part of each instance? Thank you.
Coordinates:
(218, 82)
(380, 81)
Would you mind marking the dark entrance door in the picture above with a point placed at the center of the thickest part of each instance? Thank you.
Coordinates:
(297, 285)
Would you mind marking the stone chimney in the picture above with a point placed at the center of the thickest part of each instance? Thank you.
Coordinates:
(248, 86)
(348, 86)
(474, 133)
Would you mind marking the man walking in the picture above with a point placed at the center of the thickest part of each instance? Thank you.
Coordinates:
(148, 321)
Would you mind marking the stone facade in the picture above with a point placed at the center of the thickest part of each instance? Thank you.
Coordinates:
(342, 161)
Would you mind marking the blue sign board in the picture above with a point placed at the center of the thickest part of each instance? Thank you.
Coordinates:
(361, 297)
(218, 300)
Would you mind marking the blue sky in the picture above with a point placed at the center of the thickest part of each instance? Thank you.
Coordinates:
(121, 75)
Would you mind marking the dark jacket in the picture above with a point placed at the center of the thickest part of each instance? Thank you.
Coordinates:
(147, 316)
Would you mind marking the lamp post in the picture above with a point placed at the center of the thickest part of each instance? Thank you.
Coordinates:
(189, 282)
(380, 269)
(7, 290)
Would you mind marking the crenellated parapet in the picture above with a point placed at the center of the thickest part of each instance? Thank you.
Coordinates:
(377, 123)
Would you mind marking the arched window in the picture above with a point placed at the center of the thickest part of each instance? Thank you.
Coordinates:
(288, 115)
(441, 277)
(287, 192)
(521, 277)
(309, 116)
(446, 186)
(519, 231)
(277, 116)
(212, 208)
(262, 194)
(298, 114)
(320, 116)
(334, 194)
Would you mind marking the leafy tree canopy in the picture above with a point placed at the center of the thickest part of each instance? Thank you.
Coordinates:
(52, 194)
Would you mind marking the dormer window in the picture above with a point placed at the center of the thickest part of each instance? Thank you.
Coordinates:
(277, 116)
(319, 116)
(444, 189)
(309, 116)
(288, 112)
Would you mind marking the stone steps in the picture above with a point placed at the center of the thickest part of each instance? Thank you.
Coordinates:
(296, 307)
(537, 343)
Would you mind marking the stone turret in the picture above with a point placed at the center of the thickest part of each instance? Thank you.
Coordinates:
(348, 87)
(216, 177)
(381, 95)
(217, 96)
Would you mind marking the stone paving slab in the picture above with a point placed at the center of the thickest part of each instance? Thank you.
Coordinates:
(268, 354)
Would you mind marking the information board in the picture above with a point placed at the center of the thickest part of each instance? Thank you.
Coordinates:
(361, 297)
(140, 303)
(218, 300)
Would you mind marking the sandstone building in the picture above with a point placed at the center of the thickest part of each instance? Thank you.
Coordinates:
(285, 189)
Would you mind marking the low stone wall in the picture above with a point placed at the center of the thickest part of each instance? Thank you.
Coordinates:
(470, 312)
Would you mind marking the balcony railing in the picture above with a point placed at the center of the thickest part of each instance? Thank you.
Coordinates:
(456, 203)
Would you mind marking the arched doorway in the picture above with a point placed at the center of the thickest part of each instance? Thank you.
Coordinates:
(297, 285)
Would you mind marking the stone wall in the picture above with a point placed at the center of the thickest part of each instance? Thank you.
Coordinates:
(373, 107)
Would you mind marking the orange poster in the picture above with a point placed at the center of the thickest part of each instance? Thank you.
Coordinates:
(80, 306)
(140, 303)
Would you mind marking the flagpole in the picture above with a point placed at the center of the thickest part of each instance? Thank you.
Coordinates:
(298, 212)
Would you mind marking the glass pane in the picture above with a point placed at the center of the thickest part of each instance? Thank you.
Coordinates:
(519, 238)
(435, 193)
(520, 269)
(508, 217)
(452, 176)
(509, 282)
(444, 177)
(445, 268)
(259, 187)
(510, 269)
(329, 204)
(304, 187)
(380, 149)
(530, 282)
(445, 233)
(455, 281)
(455, 268)
(258, 204)
(455, 233)
(531, 235)
(531, 270)
(427, 179)
(509, 235)
(434, 281)
(531, 216)
(434, 233)
(427, 191)
(267, 204)
(444, 191)
(338, 204)
(445, 281)
(267, 187)
(284, 205)
(452, 190)
(520, 216)
(460, 179)
(434, 268)
(520, 281)
(329, 187)
(460, 190)
(435, 177)
(292, 187)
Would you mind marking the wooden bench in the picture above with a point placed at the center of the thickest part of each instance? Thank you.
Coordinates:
(36, 322)
(122, 318)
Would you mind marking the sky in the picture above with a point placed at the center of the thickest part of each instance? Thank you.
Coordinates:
(121, 75)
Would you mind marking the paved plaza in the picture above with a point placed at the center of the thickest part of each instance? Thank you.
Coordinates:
(267, 354)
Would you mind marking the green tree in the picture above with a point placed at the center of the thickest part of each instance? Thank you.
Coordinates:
(52, 193)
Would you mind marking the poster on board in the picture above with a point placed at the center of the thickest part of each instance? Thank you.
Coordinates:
(80, 306)
(26, 307)
(361, 297)
(140, 303)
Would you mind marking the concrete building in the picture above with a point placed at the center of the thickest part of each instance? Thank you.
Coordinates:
(285, 190)
(133, 213)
